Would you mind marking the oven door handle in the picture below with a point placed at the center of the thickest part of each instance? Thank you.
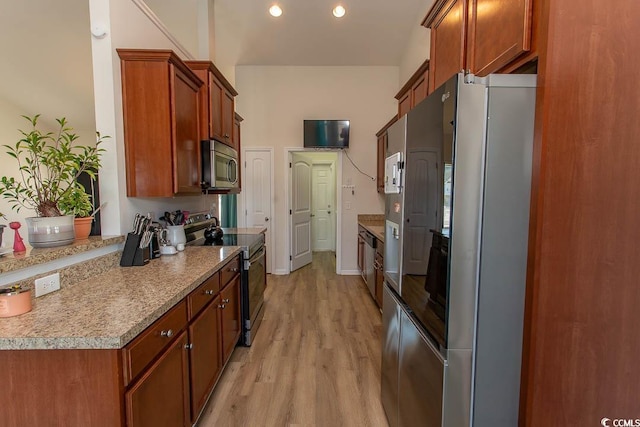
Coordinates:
(254, 258)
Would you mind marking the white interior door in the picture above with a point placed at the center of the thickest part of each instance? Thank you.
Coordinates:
(300, 213)
(421, 210)
(323, 207)
(257, 189)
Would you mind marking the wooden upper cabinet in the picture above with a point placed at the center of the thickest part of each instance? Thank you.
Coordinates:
(414, 90)
(383, 139)
(161, 124)
(479, 36)
(420, 87)
(217, 100)
(498, 32)
(237, 119)
(404, 103)
(227, 117)
(448, 23)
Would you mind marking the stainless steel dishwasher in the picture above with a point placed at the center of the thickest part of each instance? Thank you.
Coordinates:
(369, 259)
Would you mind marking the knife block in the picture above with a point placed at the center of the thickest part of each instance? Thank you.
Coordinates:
(132, 254)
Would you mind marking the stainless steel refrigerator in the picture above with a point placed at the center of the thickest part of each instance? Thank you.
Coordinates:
(457, 186)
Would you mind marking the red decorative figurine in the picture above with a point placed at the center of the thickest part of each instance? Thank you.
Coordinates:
(18, 246)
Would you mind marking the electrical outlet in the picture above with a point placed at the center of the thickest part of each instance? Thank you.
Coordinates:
(47, 284)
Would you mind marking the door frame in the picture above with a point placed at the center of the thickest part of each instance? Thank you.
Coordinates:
(334, 225)
(243, 198)
(288, 185)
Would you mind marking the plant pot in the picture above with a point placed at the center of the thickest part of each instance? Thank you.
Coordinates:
(83, 227)
(48, 232)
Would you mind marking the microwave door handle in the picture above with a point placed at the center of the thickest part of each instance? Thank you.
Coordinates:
(235, 178)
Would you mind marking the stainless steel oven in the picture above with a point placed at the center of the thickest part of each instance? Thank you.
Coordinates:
(255, 280)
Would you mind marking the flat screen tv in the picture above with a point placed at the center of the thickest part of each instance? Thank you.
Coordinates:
(326, 133)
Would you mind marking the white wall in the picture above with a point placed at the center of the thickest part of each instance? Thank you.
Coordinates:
(417, 50)
(275, 100)
(127, 27)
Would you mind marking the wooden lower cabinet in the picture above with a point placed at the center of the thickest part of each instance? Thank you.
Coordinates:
(230, 309)
(205, 356)
(161, 396)
(163, 377)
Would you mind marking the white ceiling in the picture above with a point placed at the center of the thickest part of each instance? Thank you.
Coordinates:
(46, 44)
(373, 32)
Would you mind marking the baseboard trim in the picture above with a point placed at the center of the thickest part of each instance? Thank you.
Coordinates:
(280, 272)
(349, 273)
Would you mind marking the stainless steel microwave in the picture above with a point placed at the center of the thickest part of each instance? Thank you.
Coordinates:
(219, 166)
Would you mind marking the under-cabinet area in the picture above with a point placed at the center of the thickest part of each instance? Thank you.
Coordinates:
(136, 346)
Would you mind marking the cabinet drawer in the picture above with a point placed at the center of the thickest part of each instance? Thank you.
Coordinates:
(148, 345)
(229, 271)
(203, 294)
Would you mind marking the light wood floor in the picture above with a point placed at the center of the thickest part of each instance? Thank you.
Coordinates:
(315, 360)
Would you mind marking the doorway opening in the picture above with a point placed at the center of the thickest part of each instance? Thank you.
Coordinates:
(314, 205)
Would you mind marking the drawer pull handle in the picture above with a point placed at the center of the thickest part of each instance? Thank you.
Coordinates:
(222, 306)
(167, 334)
(209, 292)
(234, 269)
(226, 300)
(188, 346)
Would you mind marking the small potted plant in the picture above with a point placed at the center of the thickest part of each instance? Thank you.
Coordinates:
(49, 164)
(77, 202)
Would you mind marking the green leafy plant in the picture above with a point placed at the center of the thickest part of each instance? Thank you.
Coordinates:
(76, 202)
(49, 165)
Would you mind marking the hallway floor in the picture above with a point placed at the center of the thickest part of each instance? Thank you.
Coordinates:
(315, 360)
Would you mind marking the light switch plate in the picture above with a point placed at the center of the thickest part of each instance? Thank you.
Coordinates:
(46, 285)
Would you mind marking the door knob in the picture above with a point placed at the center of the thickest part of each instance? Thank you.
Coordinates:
(266, 218)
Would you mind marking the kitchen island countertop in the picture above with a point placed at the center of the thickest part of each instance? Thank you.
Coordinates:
(110, 309)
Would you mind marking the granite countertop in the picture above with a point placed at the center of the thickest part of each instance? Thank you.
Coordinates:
(35, 256)
(374, 223)
(110, 309)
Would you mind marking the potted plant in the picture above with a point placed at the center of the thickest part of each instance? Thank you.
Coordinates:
(49, 165)
(77, 202)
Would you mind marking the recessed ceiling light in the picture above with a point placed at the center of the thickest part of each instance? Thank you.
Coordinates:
(275, 10)
(339, 11)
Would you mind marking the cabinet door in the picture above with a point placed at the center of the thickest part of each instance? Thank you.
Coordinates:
(230, 308)
(216, 108)
(382, 144)
(498, 32)
(236, 135)
(227, 117)
(447, 43)
(404, 104)
(161, 397)
(419, 89)
(186, 151)
(204, 356)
